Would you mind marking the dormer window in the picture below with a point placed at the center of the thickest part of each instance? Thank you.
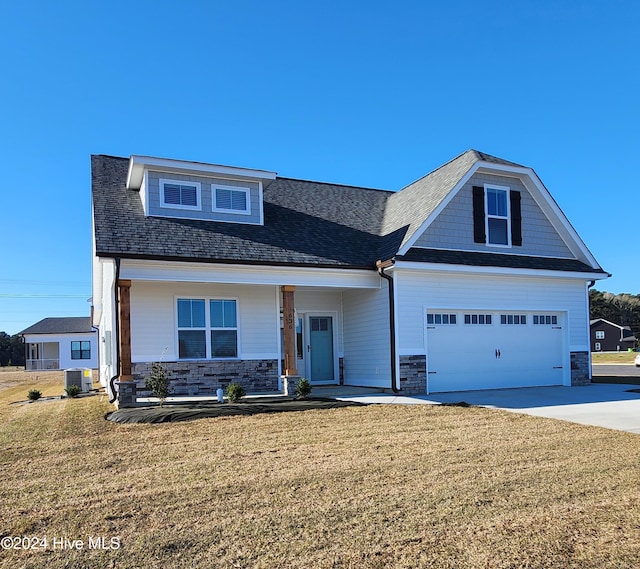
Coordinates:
(179, 194)
(498, 222)
(231, 199)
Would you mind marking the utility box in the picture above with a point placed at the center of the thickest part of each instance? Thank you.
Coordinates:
(80, 377)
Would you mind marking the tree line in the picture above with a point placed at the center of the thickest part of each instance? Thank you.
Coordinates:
(622, 309)
(11, 350)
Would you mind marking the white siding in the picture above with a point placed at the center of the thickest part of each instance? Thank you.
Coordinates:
(417, 290)
(153, 318)
(107, 325)
(64, 348)
(367, 338)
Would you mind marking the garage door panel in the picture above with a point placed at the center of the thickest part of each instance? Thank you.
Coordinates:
(489, 356)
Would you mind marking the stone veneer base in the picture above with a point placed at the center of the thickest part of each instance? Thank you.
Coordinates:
(205, 377)
(413, 375)
(580, 368)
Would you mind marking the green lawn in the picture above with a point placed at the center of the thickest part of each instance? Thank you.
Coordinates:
(613, 357)
(376, 486)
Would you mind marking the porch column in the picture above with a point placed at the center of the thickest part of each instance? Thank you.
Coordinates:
(289, 317)
(127, 391)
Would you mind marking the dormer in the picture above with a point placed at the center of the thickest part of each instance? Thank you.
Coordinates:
(194, 190)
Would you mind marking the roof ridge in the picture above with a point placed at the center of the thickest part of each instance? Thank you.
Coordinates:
(335, 184)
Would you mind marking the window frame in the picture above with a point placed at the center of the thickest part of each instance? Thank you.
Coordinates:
(81, 350)
(241, 189)
(197, 185)
(488, 216)
(208, 328)
(599, 334)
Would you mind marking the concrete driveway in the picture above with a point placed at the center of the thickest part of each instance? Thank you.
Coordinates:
(612, 406)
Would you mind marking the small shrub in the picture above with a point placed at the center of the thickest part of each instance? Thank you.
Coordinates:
(303, 388)
(73, 390)
(158, 382)
(34, 394)
(235, 392)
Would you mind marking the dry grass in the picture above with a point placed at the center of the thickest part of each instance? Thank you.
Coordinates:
(378, 486)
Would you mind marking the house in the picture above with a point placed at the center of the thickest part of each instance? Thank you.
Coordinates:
(609, 337)
(60, 343)
(469, 278)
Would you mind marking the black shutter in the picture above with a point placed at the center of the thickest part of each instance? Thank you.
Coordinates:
(479, 235)
(516, 219)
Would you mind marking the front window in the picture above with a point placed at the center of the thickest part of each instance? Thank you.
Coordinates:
(497, 208)
(599, 334)
(207, 334)
(81, 350)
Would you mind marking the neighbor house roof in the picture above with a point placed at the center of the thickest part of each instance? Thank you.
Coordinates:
(64, 325)
(306, 223)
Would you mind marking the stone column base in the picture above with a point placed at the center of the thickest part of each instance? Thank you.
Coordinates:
(289, 384)
(127, 394)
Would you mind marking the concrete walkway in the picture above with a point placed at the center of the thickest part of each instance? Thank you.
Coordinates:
(604, 405)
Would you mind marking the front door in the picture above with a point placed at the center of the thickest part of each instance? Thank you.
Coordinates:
(320, 349)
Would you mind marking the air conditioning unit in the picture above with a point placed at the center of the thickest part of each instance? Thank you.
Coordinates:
(80, 377)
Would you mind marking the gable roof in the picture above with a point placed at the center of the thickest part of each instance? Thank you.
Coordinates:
(306, 223)
(622, 329)
(63, 325)
(411, 206)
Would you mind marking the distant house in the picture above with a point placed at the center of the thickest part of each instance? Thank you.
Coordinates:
(61, 343)
(609, 337)
(235, 274)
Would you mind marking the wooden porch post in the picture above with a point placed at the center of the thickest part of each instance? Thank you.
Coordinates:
(124, 295)
(289, 316)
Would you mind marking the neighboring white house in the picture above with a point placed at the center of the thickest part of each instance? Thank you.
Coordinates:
(469, 278)
(61, 343)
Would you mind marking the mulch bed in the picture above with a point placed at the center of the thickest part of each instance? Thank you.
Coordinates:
(170, 412)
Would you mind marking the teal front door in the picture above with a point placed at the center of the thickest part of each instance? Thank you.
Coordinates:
(321, 349)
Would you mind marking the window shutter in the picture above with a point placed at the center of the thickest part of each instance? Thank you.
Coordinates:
(479, 235)
(516, 219)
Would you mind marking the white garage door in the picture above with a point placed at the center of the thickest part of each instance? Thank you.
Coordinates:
(490, 350)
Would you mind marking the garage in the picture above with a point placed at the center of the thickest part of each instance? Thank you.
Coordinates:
(470, 350)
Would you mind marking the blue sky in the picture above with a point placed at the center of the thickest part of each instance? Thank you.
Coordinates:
(356, 92)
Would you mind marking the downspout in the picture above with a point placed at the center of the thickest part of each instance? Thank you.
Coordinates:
(392, 319)
(589, 286)
(116, 307)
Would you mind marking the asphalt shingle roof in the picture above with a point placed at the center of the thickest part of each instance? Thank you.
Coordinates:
(305, 223)
(477, 259)
(63, 325)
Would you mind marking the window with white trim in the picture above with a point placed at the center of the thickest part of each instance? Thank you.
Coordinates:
(477, 319)
(439, 318)
(81, 350)
(231, 199)
(180, 194)
(497, 219)
(598, 347)
(207, 334)
(599, 334)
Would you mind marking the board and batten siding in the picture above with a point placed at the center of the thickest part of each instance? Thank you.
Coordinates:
(153, 318)
(453, 227)
(151, 195)
(417, 291)
(366, 338)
